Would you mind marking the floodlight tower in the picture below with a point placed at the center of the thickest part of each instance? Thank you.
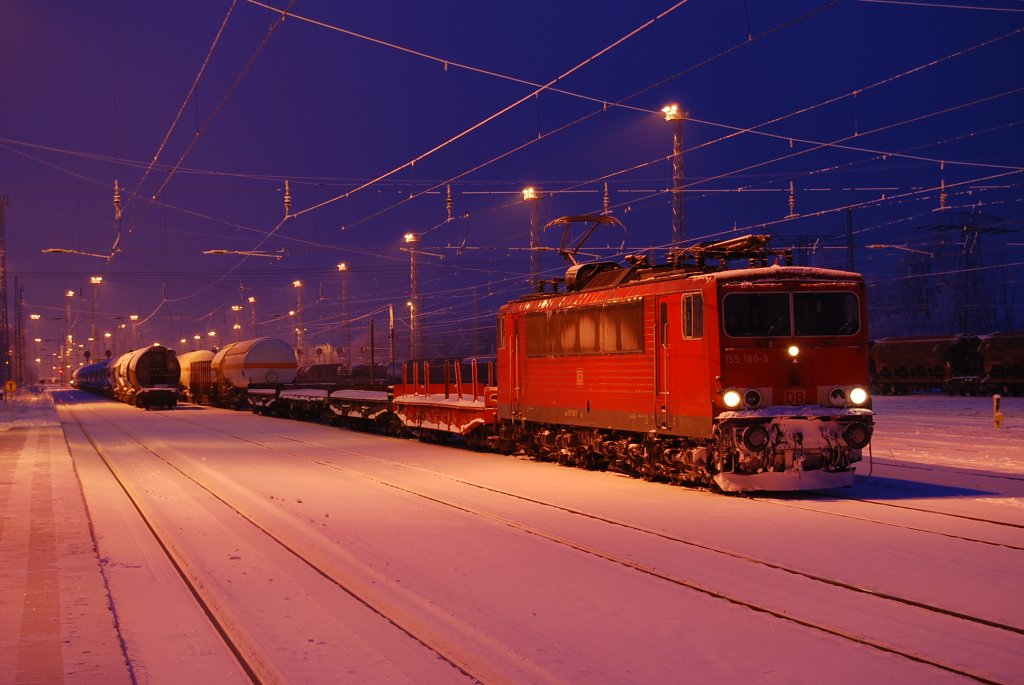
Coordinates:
(298, 312)
(531, 196)
(675, 115)
(66, 343)
(96, 281)
(412, 240)
(346, 322)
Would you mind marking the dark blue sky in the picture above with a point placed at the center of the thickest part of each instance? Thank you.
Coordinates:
(91, 90)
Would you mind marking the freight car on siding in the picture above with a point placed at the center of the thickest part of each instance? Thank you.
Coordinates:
(147, 377)
(250, 373)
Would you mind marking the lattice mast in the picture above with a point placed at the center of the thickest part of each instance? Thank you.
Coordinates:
(5, 337)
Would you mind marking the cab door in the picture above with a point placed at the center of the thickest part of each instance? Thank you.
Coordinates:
(666, 322)
(516, 366)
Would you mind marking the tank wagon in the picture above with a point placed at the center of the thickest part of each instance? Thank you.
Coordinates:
(147, 377)
(196, 383)
(94, 378)
(251, 372)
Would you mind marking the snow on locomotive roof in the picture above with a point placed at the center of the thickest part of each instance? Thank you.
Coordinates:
(614, 277)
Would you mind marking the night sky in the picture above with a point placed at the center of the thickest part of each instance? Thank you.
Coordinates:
(872, 105)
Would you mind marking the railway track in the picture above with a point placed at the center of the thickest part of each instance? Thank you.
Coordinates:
(244, 634)
(940, 620)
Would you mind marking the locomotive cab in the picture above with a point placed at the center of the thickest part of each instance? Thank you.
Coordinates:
(793, 395)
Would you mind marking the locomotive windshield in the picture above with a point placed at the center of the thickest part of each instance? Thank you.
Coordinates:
(758, 315)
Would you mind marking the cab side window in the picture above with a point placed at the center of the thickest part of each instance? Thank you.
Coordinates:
(693, 316)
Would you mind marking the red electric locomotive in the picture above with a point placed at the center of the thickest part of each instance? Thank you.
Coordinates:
(750, 378)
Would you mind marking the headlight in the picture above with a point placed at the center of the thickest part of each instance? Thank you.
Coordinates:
(857, 435)
(858, 396)
(755, 438)
(731, 399)
(794, 351)
(837, 397)
(752, 398)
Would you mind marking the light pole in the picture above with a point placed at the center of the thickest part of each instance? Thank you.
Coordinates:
(237, 327)
(391, 338)
(252, 311)
(66, 340)
(675, 115)
(531, 196)
(134, 318)
(412, 329)
(413, 239)
(298, 313)
(95, 281)
(35, 333)
(346, 320)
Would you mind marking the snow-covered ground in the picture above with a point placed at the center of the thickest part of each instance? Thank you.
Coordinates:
(334, 556)
(25, 409)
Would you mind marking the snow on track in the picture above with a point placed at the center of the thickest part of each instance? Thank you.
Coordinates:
(465, 552)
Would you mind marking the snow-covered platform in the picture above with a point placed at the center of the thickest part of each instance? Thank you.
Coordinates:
(57, 626)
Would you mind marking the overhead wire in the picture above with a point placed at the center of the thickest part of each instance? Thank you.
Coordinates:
(216, 110)
(755, 130)
(181, 108)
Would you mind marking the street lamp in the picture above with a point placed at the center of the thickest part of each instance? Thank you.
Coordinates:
(530, 195)
(252, 311)
(675, 115)
(413, 239)
(134, 318)
(236, 308)
(345, 317)
(298, 312)
(66, 340)
(96, 281)
(412, 329)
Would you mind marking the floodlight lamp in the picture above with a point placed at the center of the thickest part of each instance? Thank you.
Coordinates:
(672, 112)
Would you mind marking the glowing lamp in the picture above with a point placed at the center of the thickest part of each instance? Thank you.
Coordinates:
(731, 399)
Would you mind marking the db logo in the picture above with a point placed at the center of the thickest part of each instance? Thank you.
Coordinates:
(579, 376)
(794, 396)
